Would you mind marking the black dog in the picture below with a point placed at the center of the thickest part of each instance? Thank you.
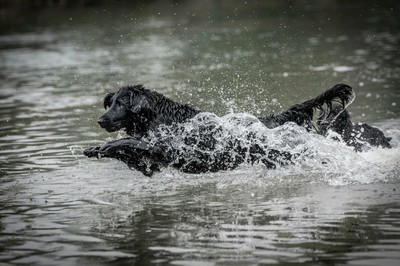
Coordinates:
(142, 113)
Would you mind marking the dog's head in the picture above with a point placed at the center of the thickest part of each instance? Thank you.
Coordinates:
(129, 108)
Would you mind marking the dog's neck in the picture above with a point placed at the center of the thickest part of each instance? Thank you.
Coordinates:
(159, 111)
(168, 111)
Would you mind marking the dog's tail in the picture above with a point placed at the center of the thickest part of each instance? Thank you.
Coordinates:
(302, 113)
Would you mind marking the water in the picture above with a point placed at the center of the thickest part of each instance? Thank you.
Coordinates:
(235, 58)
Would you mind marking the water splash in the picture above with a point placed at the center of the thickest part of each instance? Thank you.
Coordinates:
(319, 159)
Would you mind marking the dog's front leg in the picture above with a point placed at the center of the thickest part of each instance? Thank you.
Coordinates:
(137, 154)
(100, 151)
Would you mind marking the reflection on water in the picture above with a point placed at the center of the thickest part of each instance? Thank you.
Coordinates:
(59, 208)
(75, 214)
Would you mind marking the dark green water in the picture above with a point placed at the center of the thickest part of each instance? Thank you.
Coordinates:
(59, 208)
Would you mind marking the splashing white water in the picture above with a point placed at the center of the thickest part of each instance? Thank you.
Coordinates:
(324, 159)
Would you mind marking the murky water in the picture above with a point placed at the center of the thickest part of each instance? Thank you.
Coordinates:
(59, 208)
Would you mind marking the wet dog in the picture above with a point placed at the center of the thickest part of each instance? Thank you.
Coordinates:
(141, 112)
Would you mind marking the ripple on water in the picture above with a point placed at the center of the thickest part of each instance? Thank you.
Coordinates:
(332, 206)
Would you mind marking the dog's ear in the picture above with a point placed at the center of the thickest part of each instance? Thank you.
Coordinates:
(138, 103)
(108, 99)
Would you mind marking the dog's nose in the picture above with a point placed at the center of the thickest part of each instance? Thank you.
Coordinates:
(102, 122)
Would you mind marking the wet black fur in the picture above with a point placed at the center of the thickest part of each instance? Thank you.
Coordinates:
(302, 114)
(140, 111)
(140, 155)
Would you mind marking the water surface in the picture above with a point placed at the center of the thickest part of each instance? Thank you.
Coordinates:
(60, 208)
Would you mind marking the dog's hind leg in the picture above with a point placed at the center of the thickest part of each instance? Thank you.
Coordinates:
(302, 114)
(356, 135)
(135, 153)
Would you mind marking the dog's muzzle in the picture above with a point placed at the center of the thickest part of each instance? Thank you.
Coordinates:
(108, 125)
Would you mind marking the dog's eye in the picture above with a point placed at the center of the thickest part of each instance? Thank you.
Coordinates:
(122, 103)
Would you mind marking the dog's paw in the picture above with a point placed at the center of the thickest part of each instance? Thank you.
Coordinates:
(109, 149)
(92, 152)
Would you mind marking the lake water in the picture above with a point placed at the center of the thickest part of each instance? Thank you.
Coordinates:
(58, 207)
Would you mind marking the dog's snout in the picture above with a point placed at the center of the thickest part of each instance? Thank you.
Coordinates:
(102, 122)
(108, 124)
